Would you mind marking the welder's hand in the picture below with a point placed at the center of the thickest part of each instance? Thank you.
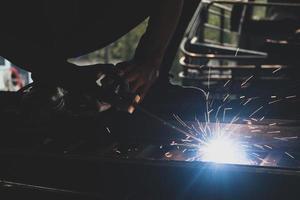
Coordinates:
(140, 75)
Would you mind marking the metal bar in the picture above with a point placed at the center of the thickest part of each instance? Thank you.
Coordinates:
(220, 6)
(213, 12)
(254, 54)
(182, 61)
(106, 54)
(233, 50)
(222, 27)
(5, 183)
(225, 57)
(217, 43)
(217, 28)
(250, 3)
(185, 64)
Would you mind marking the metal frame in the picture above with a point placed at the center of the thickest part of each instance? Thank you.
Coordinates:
(246, 3)
(245, 55)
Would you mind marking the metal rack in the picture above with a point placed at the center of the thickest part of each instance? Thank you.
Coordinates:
(221, 60)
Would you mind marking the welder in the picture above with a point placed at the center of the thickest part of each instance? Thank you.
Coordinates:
(40, 36)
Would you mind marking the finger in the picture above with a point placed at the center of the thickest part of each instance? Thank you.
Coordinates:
(143, 91)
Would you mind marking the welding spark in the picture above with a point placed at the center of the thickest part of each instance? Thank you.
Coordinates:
(276, 70)
(288, 154)
(237, 51)
(272, 132)
(286, 138)
(247, 80)
(291, 97)
(108, 130)
(248, 100)
(226, 83)
(217, 142)
(217, 113)
(226, 97)
(256, 111)
(267, 146)
(255, 131)
(223, 150)
(224, 112)
(275, 101)
(253, 119)
(273, 124)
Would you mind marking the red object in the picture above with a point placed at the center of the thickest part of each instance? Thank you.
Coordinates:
(16, 77)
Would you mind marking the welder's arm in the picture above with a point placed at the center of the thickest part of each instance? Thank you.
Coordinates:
(142, 70)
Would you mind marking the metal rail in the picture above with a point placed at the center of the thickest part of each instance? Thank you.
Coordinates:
(260, 55)
(217, 28)
(8, 184)
(230, 2)
(220, 6)
(221, 14)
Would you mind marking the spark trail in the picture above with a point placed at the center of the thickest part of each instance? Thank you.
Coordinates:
(216, 141)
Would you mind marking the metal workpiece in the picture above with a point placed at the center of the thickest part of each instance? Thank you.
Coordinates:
(173, 168)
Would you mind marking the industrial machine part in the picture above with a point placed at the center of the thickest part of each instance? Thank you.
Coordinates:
(215, 58)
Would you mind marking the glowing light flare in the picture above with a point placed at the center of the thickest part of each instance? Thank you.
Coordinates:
(223, 150)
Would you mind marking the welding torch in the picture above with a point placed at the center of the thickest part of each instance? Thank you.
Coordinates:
(109, 88)
(116, 91)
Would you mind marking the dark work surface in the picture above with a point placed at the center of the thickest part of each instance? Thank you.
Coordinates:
(139, 179)
(75, 158)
